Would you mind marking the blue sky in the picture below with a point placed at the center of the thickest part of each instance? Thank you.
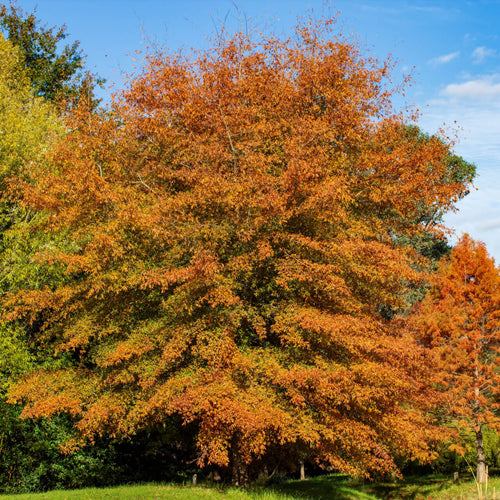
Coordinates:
(452, 49)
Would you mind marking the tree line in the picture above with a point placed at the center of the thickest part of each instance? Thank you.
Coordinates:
(238, 266)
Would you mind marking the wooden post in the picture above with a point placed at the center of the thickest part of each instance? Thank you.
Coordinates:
(455, 477)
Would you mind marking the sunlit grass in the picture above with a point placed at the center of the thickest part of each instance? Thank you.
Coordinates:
(153, 492)
(328, 487)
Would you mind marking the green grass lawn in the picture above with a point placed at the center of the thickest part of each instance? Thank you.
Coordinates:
(428, 487)
(330, 487)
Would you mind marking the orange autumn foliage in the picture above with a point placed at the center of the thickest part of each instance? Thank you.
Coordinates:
(233, 218)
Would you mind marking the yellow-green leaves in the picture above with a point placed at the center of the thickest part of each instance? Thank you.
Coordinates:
(26, 122)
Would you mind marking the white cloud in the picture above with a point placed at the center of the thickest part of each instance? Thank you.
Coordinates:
(478, 212)
(481, 53)
(444, 58)
(431, 10)
(493, 224)
(460, 105)
(484, 88)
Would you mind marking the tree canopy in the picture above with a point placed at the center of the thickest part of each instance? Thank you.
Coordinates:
(56, 73)
(230, 230)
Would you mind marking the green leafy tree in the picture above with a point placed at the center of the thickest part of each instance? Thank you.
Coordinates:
(55, 72)
(430, 244)
(28, 124)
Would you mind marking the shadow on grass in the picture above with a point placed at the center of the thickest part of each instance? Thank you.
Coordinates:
(340, 487)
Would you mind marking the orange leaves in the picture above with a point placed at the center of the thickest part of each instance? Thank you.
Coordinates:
(459, 322)
(50, 392)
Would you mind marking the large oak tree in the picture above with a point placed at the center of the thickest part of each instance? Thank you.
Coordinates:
(235, 221)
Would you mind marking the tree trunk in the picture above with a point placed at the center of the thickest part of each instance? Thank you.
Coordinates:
(239, 469)
(481, 460)
(302, 470)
